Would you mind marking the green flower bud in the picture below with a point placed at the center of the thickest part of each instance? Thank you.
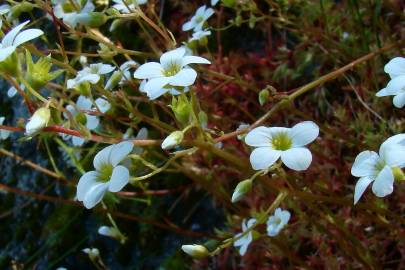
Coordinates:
(92, 19)
(241, 189)
(174, 139)
(263, 96)
(398, 174)
(195, 251)
(182, 109)
(114, 80)
(38, 74)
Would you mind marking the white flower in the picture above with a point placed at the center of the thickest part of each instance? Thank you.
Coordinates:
(173, 70)
(379, 168)
(174, 139)
(93, 253)
(103, 105)
(199, 35)
(108, 176)
(38, 121)
(113, 233)
(244, 242)
(90, 74)
(214, 2)
(64, 10)
(15, 37)
(131, 4)
(120, 76)
(90, 121)
(4, 134)
(276, 222)
(197, 21)
(396, 86)
(287, 143)
(195, 251)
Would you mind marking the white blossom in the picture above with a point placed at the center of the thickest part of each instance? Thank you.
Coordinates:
(4, 134)
(172, 71)
(244, 242)
(380, 168)
(93, 253)
(276, 222)
(199, 35)
(120, 76)
(108, 176)
(197, 21)
(103, 104)
(396, 86)
(78, 113)
(123, 5)
(64, 10)
(287, 143)
(15, 37)
(91, 74)
(171, 141)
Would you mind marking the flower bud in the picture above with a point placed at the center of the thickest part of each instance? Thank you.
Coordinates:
(38, 121)
(398, 174)
(174, 139)
(93, 253)
(263, 96)
(114, 80)
(182, 109)
(195, 251)
(241, 189)
(92, 19)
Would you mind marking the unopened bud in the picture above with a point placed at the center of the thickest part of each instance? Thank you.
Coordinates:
(38, 121)
(182, 109)
(92, 19)
(195, 251)
(241, 189)
(263, 96)
(174, 139)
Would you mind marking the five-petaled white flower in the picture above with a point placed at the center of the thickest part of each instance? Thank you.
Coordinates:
(287, 143)
(3, 133)
(197, 21)
(91, 74)
(379, 168)
(396, 87)
(108, 176)
(15, 37)
(244, 242)
(78, 113)
(102, 104)
(127, 6)
(172, 71)
(276, 222)
(70, 11)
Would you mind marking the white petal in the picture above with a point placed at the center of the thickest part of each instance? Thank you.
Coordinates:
(105, 230)
(208, 13)
(396, 85)
(395, 67)
(188, 26)
(103, 105)
(6, 52)
(86, 182)
(120, 151)
(263, 157)
(142, 134)
(11, 92)
(155, 87)
(119, 178)
(27, 35)
(92, 121)
(194, 60)
(102, 157)
(95, 195)
(91, 78)
(172, 57)
(259, 137)
(297, 159)
(10, 36)
(364, 164)
(185, 77)
(384, 183)
(399, 100)
(83, 103)
(77, 141)
(360, 187)
(303, 133)
(105, 69)
(385, 92)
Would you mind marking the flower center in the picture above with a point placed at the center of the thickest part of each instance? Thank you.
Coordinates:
(68, 7)
(81, 118)
(172, 69)
(281, 141)
(199, 19)
(380, 165)
(105, 172)
(277, 221)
